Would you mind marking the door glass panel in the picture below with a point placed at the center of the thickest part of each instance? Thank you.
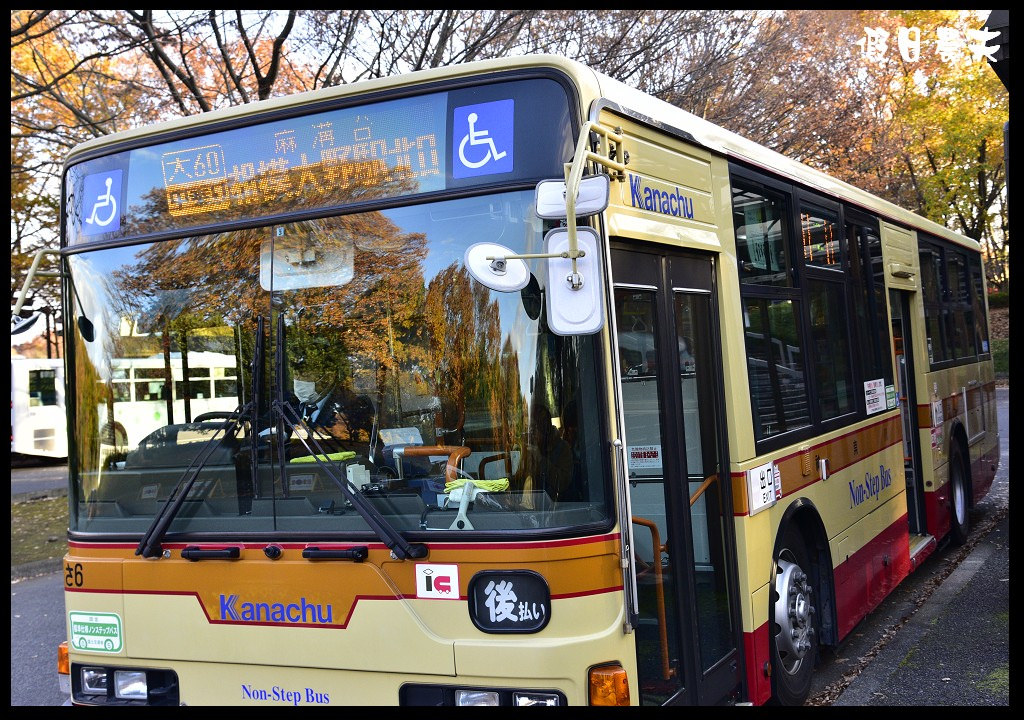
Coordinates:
(708, 515)
(657, 626)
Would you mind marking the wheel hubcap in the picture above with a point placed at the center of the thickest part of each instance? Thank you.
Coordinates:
(959, 504)
(794, 615)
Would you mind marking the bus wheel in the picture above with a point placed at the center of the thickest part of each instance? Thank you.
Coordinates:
(960, 521)
(114, 435)
(793, 637)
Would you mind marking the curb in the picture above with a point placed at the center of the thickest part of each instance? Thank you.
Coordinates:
(38, 495)
(863, 688)
(35, 569)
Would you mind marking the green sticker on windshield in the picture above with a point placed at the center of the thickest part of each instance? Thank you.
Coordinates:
(95, 632)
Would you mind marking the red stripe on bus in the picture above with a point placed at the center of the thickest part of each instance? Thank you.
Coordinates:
(756, 650)
(867, 576)
(479, 545)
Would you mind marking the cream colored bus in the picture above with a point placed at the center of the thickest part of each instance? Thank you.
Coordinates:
(546, 393)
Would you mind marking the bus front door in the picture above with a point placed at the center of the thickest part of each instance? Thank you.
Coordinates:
(688, 631)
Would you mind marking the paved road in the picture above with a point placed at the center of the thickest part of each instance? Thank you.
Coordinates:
(37, 626)
(38, 479)
(955, 650)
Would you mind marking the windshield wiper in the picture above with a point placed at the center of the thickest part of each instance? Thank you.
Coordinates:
(149, 546)
(394, 540)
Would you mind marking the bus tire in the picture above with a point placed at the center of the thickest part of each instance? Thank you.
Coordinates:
(960, 521)
(792, 621)
(114, 435)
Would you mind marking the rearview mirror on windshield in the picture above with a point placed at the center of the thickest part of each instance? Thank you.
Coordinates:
(297, 257)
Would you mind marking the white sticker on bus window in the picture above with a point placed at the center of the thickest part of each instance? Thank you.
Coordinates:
(937, 415)
(890, 397)
(874, 395)
(644, 457)
(304, 258)
(761, 487)
(300, 483)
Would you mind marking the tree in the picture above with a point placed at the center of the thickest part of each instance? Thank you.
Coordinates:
(61, 95)
(948, 110)
(796, 81)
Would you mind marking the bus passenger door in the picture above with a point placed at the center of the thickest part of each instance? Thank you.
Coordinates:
(688, 630)
(899, 308)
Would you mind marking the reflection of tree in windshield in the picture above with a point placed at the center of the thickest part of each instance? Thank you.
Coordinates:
(470, 369)
(426, 352)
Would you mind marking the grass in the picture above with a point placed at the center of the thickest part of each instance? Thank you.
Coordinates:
(908, 661)
(1001, 355)
(997, 682)
(39, 529)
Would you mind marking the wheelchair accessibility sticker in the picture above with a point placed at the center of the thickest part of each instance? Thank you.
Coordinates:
(95, 632)
(482, 138)
(100, 196)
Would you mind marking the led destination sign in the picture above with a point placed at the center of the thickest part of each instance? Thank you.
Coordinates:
(316, 158)
(516, 130)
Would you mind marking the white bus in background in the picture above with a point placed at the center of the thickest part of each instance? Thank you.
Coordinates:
(140, 403)
(38, 418)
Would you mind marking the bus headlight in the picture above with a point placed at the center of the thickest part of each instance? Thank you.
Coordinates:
(526, 698)
(94, 681)
(414, 694)
(130, 685)
(112, 685)
(476, 697)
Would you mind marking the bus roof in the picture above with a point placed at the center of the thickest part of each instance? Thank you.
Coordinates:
(593, 87)
(718, 139)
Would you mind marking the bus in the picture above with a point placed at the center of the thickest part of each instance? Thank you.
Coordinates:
(135, 407)
(543, 392)
(38, 417)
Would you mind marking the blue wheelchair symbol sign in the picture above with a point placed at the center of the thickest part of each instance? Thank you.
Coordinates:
(483, 138)
(101, 195)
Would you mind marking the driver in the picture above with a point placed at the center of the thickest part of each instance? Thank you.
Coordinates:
(548, 460)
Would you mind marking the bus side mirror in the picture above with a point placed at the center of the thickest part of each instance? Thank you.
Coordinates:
(21, 324)
(86, 328)
(574, 295)
(591, 199)
(574, 299)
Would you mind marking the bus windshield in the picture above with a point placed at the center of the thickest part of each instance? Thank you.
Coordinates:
(448, 406)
